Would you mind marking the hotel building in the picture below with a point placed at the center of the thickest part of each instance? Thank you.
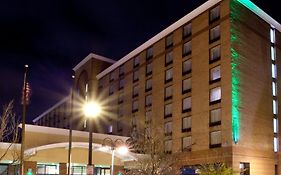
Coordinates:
(210, 81)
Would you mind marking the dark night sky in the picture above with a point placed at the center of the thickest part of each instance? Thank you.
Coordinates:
(52, 36)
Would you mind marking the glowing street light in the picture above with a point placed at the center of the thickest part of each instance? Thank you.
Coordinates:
(116, 145)
(91, 110)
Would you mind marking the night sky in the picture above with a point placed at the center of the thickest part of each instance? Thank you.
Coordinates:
(52, 36)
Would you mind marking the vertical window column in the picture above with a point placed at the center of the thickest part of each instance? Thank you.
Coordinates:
(274, 90)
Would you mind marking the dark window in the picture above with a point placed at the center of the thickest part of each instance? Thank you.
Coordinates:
(149, 53)
(215, 53)
(169, 58)
(169, 41)
(168, 92)
(214, 34)
(169, 75)
(186, 48)
(214, 14)
(186, 67)
(187, 30)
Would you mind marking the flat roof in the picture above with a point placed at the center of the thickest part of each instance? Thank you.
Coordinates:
(90, 56)
(247, 3)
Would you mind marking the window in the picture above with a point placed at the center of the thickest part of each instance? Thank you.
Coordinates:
(148, 85)
(272, 36)
(119, 126)
(274, 107)
(215, 74)
(186, 124)
(274, 89)
(136, 61)
(215, 34)
(147, 132)
(135, 107)
(111, 89)
(169, 41)
(275, 125)
(215, 139)
(169, 58)
(187, 30)
(168, 110)
(111, 76)
(134, 121)
(135, 75)
(186, 143)
(168, 92)
(148, 100)
(148, 116)
(135, 91)
(274, 71)
(244, 168)
(186, 106)
(215, 95)
(169, 75)
(168, 146)
(121, 70)
(186, 85)
(186, 67)
(186, 48)
(121, 83)
(214, 14)
(149, 69)
(149, 53)
(168, 129)
(273, 54)
(120, 98)
(215, 53)
(215, 117)
(109, 129)
(275, 144)
(120, 111)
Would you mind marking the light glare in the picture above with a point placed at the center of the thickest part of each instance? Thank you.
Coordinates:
(92, 109)
(122, 150)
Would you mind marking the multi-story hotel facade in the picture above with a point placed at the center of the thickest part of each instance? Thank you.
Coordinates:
(210, 81)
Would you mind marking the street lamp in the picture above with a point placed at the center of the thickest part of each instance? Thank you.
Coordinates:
(91, 110)
(116, 145)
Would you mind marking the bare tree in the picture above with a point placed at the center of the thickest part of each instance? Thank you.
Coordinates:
(9, 132)
(151, 158)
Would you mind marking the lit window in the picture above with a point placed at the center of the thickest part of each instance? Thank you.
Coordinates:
(169, 58)
(186, 143)
(121, 83)
(135, 91)
(169, 40)
(186, 48)
(168, 146)
(186, 85)
(168, 128)
(148, 85)
(148, 100)
(187, 30)
(168, 92)
(186, 67)
(273, 55)
(215, 73)
(215, 94)
(135, 106)
(215, 53)
(186, 106)
(275, 144)
(121, 70)
(149, 53)
(215, 33)
(273, 69)
(109, 129)
(215, 116)
(275, 125)
(136, 75)
(148, 116)
(272, 36)
(186, 124)
(274, 90)
(136, 61)
(168, 110)
(215, 13)
(215, 139)
(169, 75)
(149, 69)
(275, 107)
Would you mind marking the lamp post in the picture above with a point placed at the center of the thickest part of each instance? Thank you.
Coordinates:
(91, 110)
(116, 145)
